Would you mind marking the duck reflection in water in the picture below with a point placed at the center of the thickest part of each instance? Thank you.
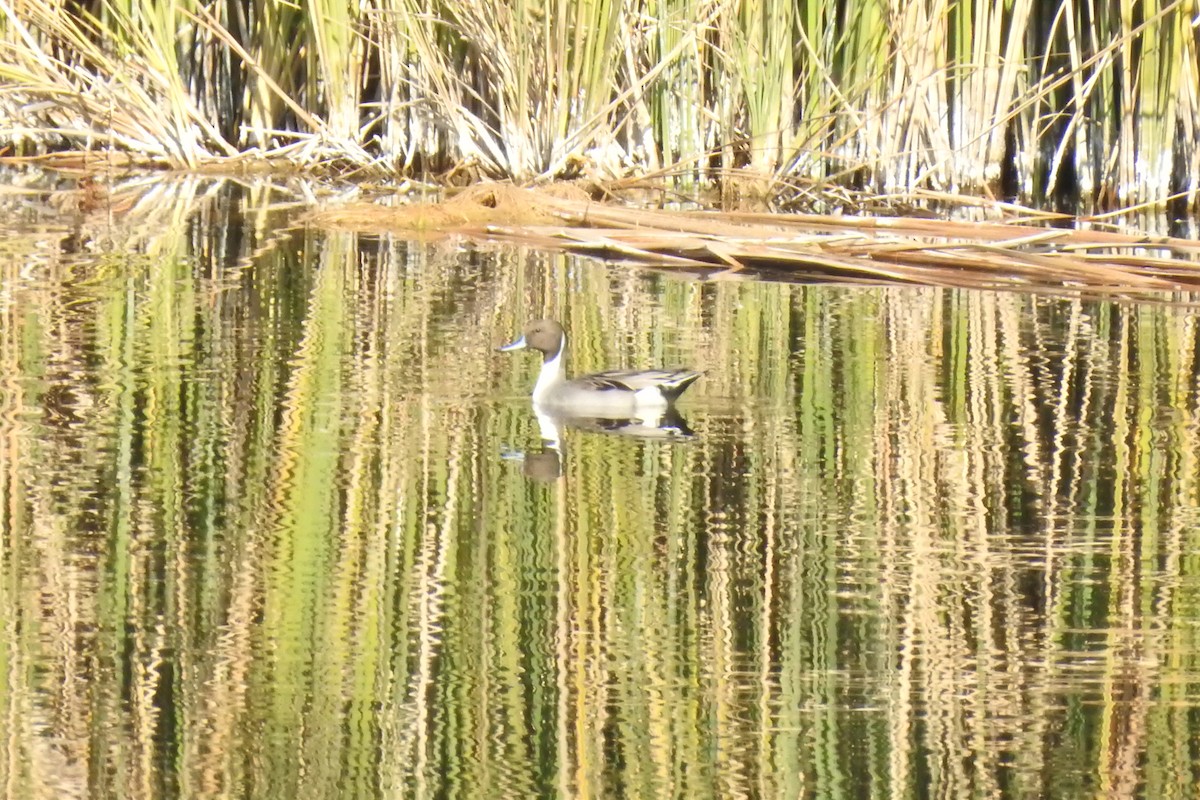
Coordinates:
(546, 465)
(626, 402)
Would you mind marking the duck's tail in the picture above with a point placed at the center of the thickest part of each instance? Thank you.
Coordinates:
(678, 383)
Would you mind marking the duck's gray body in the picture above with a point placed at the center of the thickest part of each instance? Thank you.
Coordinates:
(612, 394)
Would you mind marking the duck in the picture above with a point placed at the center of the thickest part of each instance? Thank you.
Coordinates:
(614, 394)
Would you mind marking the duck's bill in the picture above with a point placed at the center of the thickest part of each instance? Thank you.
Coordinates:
(519, 344)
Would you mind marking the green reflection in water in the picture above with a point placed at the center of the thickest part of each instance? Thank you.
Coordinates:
(260, 538)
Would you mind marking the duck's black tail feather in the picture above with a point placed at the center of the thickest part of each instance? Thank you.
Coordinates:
(679, 385)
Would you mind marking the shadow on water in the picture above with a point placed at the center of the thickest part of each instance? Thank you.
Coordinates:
(260, 538)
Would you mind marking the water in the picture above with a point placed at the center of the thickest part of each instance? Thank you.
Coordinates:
(278, 521)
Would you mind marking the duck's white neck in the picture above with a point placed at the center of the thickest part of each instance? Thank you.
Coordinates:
(552, 374)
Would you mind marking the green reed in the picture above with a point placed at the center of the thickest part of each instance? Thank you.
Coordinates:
(1066, 101)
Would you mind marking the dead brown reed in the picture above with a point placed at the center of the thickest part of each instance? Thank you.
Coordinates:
(815, 247)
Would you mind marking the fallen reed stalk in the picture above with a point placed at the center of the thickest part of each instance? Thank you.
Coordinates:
(817, 247)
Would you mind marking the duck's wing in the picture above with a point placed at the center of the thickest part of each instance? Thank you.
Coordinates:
(671, 381)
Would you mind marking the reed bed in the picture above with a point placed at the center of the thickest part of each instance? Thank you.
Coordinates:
(1061, 104)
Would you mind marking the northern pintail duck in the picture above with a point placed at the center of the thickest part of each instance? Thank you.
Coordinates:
(613, 394)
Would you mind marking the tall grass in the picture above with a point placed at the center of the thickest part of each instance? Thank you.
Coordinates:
(1091, 103)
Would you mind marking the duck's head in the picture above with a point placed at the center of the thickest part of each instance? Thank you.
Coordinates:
(546, 335)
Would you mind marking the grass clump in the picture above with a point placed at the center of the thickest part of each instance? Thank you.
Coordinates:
(1046, 105)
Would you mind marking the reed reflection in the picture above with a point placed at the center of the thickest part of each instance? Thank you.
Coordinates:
(258, 541)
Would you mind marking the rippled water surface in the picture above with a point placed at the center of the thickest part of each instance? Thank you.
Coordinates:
(278, 521)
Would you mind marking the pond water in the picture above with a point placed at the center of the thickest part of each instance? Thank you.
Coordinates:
(278, 521)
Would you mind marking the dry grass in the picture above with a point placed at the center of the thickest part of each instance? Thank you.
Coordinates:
(1062, 104)
(1012, 255)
